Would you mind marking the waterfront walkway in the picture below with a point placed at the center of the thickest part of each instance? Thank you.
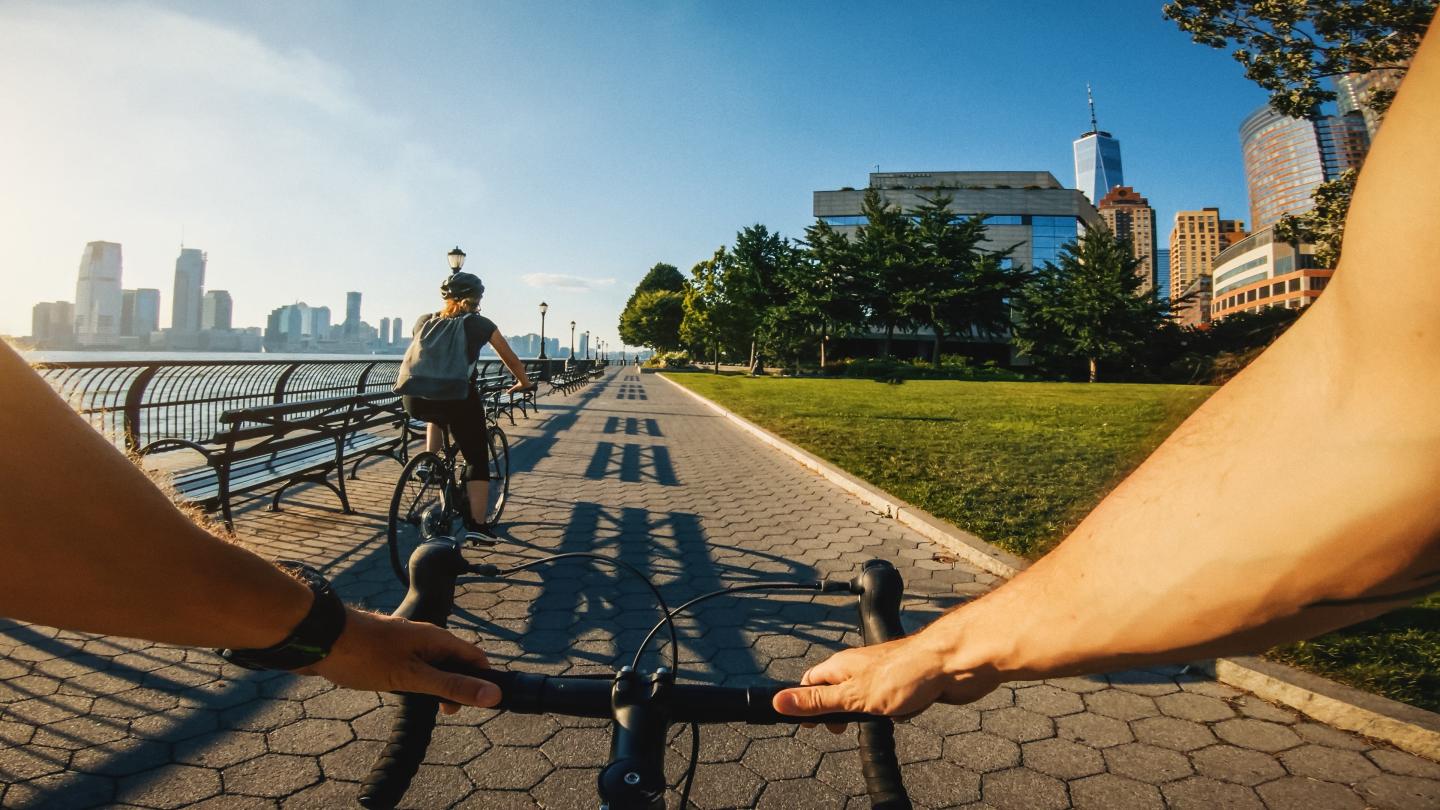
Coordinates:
(631, 467)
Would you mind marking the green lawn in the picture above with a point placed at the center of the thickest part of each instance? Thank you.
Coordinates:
(1020, 464)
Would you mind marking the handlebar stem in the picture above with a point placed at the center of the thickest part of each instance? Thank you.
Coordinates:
(635, 777)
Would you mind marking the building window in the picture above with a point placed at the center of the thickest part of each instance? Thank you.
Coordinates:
(1318, 283)
(1250, 296)
(1264, 292)
(1294, 285)
(1278, 288)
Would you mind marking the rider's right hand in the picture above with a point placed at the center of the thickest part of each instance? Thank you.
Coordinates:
(898, 678)
(386, 654)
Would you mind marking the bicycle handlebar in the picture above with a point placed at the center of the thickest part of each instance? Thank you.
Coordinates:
(642, 706)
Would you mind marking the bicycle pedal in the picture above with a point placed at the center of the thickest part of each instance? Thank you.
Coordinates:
(478, 539)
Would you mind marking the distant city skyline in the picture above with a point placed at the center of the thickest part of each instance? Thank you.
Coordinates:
(309, 153)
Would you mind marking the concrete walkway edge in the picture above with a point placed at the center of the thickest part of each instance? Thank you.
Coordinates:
(1406, 727)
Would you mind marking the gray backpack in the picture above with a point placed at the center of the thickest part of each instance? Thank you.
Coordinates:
(436, 366)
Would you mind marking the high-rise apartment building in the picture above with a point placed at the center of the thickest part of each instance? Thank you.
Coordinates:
(217, 311)
(98, 296)
(1097, 160)
(1286, 158)
(1353, 93)
(140, 313)
(352, 312)
(397, 330)
(385, 331)
(584, 348)
(52, 324)
(1198, 236)
(1130, 217)
(187, 305)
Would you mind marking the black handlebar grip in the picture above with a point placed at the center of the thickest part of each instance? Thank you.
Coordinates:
(881, 589)
(434, 567)
(409, 738)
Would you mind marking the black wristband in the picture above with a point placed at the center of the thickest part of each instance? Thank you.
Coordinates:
(311, 639)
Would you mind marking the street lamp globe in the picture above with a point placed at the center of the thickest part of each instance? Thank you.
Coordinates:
(457, 259)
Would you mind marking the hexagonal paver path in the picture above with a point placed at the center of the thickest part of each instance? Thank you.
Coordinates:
(631, 468)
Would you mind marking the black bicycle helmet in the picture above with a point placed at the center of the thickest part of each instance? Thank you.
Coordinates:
(461, 285)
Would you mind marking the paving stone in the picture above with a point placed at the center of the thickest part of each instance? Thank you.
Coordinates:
(323, 796)
(1051, 701)
(341, 704)
(1331, 737)
(1402, 763)
(310, 737)
(1015, 723)
(982, 752)
(498, 800)
(799, 794)
(938, 783)
(263, 715)
(59, 791)
(1196, 707)
(273, 775)
(1147, 763)
(221, 749)
(120, 758)
(567, 787)
(1062, 758)
(1257, 735)
(1023, 789)
(1329, 764)
(456, 745)
(168, 786)
(1252, 706)
(781, 758)
(1093, 730)
(1204, 793)
(725, 784)
(1172, 733)
(508, 768)
(234, 803)
(436, 786)
(1390, 790)
(1238, 765)
(351, 762)
(520, 729)
(1300, 793)
(80, 732)
(31, 761)
(1143, 682)
(947, 720)
(841, 770)
(1109, 792)
(1121, 705)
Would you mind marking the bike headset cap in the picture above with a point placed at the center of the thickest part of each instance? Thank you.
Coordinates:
(461, 285)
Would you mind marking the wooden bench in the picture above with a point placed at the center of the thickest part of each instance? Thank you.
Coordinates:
(494, 391)
(290, 443)
(568, 380)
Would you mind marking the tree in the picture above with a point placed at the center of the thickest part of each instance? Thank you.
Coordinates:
(656, 321)
(652, 318)
(751, 281)
(834, 290)
(1090, 308)
(1290, 47)
(709, 316)
(960, 287)
(884, 250)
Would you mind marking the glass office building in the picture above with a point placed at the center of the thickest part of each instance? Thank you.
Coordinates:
(1097, 165)
(1287, 158)
(1030, 211)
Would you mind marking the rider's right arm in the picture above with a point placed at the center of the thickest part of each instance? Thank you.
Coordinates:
(89, 543)
(1302, 497)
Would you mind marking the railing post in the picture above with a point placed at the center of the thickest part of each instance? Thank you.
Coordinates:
(134, 397)
(364, 378)
(284, 378)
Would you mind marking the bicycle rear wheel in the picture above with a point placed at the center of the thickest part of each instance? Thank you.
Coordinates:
(499, 473)
(419, 505)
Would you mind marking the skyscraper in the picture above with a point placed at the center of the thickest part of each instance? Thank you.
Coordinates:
(1286, 158)
(217, 311)
(52, 324)
(140, 313)
(1097, 159)
(1353, 91)
(187, 305)
(583, 350)
(98, 296)
(1162, 274)
(352, 312)
(1131, 218)
(397, 332)
(1198, 236)
(384, 331)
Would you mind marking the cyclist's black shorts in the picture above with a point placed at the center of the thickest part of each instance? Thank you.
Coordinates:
(466, 420)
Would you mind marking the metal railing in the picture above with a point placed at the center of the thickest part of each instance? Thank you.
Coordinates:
(139, 401)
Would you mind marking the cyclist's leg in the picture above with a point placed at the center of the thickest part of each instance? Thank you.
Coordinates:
(468, 426)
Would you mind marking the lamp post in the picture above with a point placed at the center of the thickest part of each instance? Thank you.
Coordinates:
(457, 259)
(572, 345)
(544, 308)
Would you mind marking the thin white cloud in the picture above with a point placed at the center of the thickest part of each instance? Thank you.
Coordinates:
(560, 281)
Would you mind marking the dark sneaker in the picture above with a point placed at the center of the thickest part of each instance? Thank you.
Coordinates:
(480, 534)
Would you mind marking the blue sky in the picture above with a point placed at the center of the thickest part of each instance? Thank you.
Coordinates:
(314, 148)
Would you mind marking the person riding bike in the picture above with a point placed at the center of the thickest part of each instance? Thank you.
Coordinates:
(463, 416)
